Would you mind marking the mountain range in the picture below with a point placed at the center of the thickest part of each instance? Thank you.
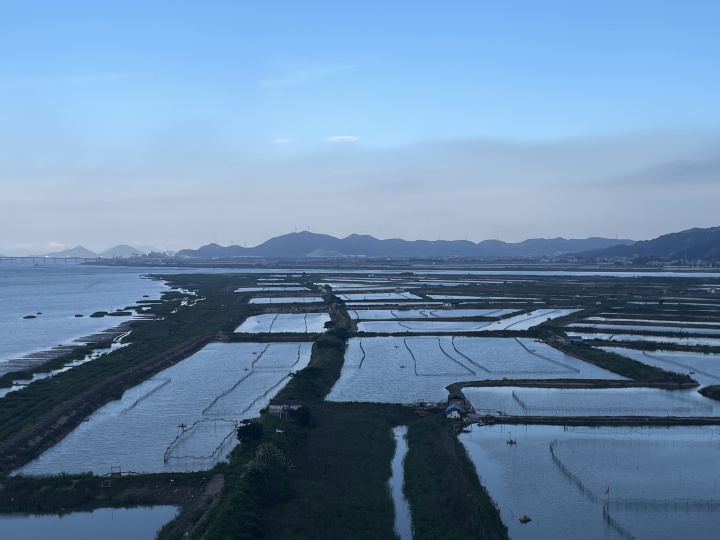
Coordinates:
(692, 245)
(118, 252)
(307, 244)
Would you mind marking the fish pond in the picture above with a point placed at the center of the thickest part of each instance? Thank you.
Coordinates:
(106, 523)
(418, 368)
(601, 483)
(184, 418)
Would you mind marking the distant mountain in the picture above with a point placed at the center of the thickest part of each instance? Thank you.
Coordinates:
(148, 249)
(693, 244)
(121, 252)
(307, 244)
(78, 251)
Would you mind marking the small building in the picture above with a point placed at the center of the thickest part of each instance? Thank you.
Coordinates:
(279, 406)
(454, 411)
(456, 398)
(573, 340)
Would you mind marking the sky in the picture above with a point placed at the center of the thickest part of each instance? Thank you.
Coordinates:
(174, 124)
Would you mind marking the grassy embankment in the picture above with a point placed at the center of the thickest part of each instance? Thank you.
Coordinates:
(78, 353)
(712, 392)
(632, 369)
(443, 488)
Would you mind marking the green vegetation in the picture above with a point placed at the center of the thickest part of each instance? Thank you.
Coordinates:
(624, 366)
(78, 353)
(59, 493)
(446, 498)
(712, 392)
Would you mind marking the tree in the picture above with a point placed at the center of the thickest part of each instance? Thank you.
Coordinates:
(250, 432)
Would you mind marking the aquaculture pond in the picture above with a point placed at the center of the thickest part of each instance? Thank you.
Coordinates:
(107, 523)
(357, 297)
(519, 401)
(517, 322)
(434, 313)
(703, 367)
(286, 300)
(418, 368)
(688, 341)
(285, 322)
(184, 418)
(601, 483)
(648, 328)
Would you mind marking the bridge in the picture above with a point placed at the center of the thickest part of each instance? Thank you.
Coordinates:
(37, 260)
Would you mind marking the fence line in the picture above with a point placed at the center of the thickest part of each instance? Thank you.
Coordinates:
(454, 359)
(468, 358)
(168, 451)
(615, 525)
(569, 474)
(150, 393)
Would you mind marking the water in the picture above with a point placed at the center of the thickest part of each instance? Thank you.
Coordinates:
(361, 297)
(520, 401)
(19, 384)
(689, 341)
(437, 313)
(418, 368)
(285, 322)
(276, 288)
(662, 481)
(518, 322)
(648, 328)
(106, 523)
(286, 300)
(705, 367)
(59, 292)
(206, 394)
(403, 521)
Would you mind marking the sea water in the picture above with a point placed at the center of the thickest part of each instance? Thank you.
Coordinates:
(54, 293)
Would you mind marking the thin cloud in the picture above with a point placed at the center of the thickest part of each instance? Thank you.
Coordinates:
(302, 76)
(282, 141)
(342, 138)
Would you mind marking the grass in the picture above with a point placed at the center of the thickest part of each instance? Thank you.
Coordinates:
(447, 500)
(624, 366)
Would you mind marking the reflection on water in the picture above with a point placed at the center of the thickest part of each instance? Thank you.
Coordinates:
(106, 523)
(604, 483)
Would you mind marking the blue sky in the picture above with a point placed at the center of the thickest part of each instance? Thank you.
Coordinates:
(179, 123)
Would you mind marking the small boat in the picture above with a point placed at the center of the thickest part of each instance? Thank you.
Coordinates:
(524, 519)
(402, 366)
